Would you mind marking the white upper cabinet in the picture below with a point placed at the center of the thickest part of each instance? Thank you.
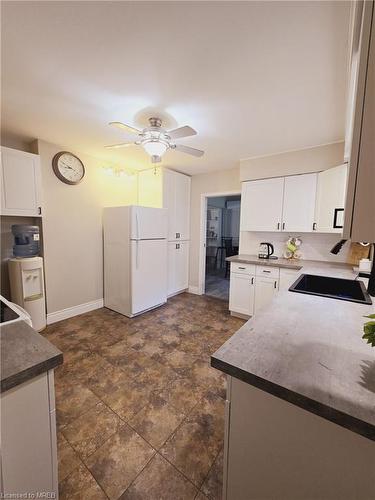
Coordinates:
(20, 183)
(171, 190)
(177, 199)
(330, 200)
(261, 205)
(299, 203)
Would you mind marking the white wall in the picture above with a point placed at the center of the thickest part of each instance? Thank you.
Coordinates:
(314, 246)
(301, 161)
(224, 181)
(72, 228)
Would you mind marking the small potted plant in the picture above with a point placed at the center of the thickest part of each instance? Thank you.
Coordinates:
(369, 330)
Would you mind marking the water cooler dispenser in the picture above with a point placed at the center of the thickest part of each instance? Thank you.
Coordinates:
(26, 274)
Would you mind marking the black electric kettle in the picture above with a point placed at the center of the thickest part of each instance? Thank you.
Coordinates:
(265, 250)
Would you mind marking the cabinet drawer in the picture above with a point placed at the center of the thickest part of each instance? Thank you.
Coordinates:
(242, 268)
(267, 271)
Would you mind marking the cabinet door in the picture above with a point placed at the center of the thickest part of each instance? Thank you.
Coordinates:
(261, 205)
(182, 187)
(265, 290)
(241, 294)
(182, 266)
(287, 278)
(150, 188)
(27, 438)
(172, 268)
(20, 183)
(299, 203)
(169, 201)
(330, 198)
(178, 266)
(177, 199)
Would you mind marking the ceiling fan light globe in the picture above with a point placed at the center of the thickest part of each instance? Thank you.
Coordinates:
(154, 148)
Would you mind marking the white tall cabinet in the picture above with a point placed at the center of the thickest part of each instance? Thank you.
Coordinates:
(21, 184)
(164, 188)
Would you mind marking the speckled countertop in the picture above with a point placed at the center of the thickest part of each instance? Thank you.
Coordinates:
(24, 354)
(308, 350)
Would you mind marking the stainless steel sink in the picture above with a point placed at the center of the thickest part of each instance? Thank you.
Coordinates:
(334, 288)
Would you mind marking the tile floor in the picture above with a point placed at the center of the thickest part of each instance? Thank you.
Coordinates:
(140, 412)
(217, 285)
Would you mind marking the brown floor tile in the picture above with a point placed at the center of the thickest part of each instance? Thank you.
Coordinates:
(80, 485)
(182, 394)
(89, 431)
(154, 372)
(68, 460)
(105, 382)
(156, 421)
(71, 402)
(159, 480)
(195, 444)
(117, 463)
(180, 360)
(201, 496)
(213, 484)
(127, 398)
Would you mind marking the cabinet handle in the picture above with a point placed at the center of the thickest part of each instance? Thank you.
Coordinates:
(252, 281)
(40, 210)
(242, 268)
(278, 226)
(283, 226)
(177, 246)
(275, 285)
(177, 235)
(266, 271)
(314, 226)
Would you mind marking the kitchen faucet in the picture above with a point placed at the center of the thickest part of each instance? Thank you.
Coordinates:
(371, 282)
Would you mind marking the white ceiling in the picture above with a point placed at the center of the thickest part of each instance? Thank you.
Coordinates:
(252, 78)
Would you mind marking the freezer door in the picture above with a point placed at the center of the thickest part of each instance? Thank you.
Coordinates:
(148, 223)
(148, 274)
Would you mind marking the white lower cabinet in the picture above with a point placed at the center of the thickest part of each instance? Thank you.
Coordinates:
(274, 450)
(287, 278)
(265, 289)
(178, 266)
(252, 287)
(241, 295)
(28, 435)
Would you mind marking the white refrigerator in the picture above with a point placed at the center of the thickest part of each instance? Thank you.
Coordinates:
(135, 258)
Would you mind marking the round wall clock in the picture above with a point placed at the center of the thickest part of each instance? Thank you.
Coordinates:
(68, 167)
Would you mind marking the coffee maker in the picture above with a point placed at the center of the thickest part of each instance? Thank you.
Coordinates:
(266, 251)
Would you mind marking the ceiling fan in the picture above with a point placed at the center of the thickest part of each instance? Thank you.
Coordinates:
(155, 139)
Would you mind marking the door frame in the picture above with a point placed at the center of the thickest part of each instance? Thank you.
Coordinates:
(202, 235)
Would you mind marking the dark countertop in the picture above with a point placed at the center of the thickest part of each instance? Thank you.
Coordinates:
(308, 350)
(24, 354)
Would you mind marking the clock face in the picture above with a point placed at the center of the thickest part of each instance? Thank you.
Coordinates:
(68, 168)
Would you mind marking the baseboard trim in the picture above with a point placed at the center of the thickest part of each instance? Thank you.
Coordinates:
(194, 290)
(74, 311)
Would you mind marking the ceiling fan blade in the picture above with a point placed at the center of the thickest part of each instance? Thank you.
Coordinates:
(126, 128)
(181, 132)
(189, 150)
(120, 145)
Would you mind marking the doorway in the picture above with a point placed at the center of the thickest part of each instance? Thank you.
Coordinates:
(221, 241)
